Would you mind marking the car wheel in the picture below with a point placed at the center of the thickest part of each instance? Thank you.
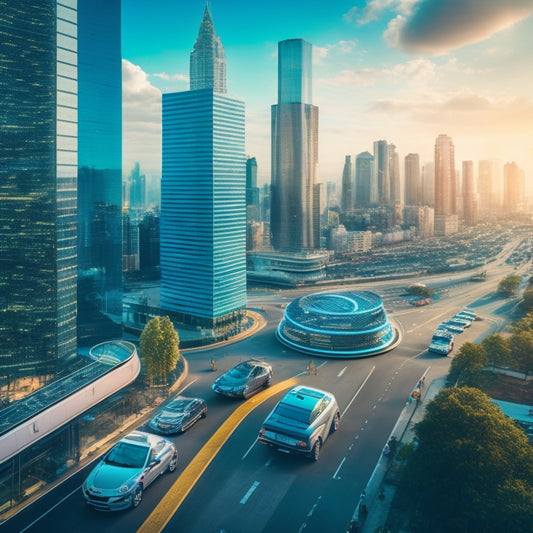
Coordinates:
(204, 413)
(173, 463)
(315, 452)
(137, 496)
(268, 381)
(335, 423)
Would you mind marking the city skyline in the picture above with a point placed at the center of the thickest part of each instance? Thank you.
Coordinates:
(381, 71)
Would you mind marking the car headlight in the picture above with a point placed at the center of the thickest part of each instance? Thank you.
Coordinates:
(124, 489)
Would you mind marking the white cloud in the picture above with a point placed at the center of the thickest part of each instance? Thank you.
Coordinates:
(375, 8)
(171, 77)
(141, 120)
(438, 26)
(341, 47)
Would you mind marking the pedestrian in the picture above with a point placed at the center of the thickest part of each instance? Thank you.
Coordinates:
(311, 368)
(213, 364)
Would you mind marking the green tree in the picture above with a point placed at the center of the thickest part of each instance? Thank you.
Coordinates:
(418, 289)
(472, 470)
(521, 345)
(524, 324)
(497, 349)
(466, 366)
(159, 346)
(526, 305)
(509, 285)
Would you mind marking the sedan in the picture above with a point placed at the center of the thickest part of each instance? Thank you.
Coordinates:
(117, 482)
(244, 380)
(179, 415)
(301, 422)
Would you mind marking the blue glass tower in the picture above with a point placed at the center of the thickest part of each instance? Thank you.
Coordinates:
(203, 204)
(294, 152)
(38, 185)
(100, 169)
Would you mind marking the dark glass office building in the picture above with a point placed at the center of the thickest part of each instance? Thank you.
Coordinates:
(38, 182)
(100, 170)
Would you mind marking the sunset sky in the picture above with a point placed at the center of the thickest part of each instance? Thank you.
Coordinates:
(400, 70)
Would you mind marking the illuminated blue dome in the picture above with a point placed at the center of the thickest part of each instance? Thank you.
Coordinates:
(337, 324)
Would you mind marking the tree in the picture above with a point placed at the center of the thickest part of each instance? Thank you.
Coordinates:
(521, 344)
(159, 346)
(508, 286)
(524, 324)
(473, 467)
(497, 349)
(526, 305)
(467, 365)
(418, 289)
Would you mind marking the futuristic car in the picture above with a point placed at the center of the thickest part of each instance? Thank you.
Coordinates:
(178, 415)
(244, 380)
(117, 482)
(301, 421)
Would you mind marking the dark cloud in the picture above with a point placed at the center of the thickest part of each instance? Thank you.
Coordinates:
(437, 26)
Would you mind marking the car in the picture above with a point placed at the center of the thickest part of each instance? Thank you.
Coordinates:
(119, 479)
(178, 415)
(244, 379)
(454, 328)
(301, 422)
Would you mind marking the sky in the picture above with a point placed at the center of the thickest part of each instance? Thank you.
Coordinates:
(400, 70)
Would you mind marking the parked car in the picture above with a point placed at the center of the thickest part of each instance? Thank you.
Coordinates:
(244, 379)
(301, 421)
(118, 480)
(178, 415)
(454, 328)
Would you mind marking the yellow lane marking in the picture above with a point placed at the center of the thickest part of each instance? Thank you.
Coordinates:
(169, 504)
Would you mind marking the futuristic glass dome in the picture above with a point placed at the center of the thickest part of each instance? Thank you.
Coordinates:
(337, 324)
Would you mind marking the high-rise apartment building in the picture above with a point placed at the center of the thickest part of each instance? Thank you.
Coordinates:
(413, 186)
(394, 176)
(489, 186)
(445, 186)
(365, 193)
(38, 185)
(294, 151)
(514, 188)
(100, 168)
(427, 176)
(382, 172)
(203, 203)
(470, 204)
(347, 201)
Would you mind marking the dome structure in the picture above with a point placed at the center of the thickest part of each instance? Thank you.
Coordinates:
(338, 324)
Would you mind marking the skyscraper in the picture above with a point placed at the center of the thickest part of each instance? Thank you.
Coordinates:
(203, 204)
(382, 172)
(100, 168)
(469, 194)
(445, 186)
(38, 185)
(413, 188)
(294, 151)
(514, 188)
(347, 201)
(365, 193)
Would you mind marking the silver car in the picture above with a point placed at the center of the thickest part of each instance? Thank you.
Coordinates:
(301, 421)
(244, 379)
(178, 415)
(117, 482)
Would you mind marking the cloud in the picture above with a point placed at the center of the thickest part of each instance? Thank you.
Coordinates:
(375, 8)
(467, 112)
(341, 47)
(171, 77)
(412, 72)
(438, 26)
(141, 119)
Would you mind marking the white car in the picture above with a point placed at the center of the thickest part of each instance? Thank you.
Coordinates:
(117, 482)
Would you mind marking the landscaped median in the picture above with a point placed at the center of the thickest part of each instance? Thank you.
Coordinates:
(169, 504)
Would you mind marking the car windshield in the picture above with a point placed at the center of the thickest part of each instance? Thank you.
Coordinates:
(128, 455)
(294, 413)
(240, 371)
(178, 406)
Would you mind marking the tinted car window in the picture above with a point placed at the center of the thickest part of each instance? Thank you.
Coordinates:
(128, 455)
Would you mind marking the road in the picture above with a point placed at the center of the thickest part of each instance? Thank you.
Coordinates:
(248, 487)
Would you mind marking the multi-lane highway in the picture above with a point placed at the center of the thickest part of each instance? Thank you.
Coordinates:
(244, 486)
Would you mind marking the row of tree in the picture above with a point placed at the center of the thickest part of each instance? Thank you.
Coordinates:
(472, 468)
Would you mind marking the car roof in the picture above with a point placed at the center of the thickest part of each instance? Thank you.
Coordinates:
(142, 437)
(304, 397)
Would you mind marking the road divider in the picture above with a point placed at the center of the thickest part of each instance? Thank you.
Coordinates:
(170, 503)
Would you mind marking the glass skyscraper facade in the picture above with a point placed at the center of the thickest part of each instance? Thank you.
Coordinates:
(38, 185)
(100, 168)
(294, 151)
(203, 204)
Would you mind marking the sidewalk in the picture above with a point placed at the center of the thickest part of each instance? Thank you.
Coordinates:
(379, 492)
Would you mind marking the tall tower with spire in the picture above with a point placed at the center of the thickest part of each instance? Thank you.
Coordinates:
(203, 194)
(208, 60)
